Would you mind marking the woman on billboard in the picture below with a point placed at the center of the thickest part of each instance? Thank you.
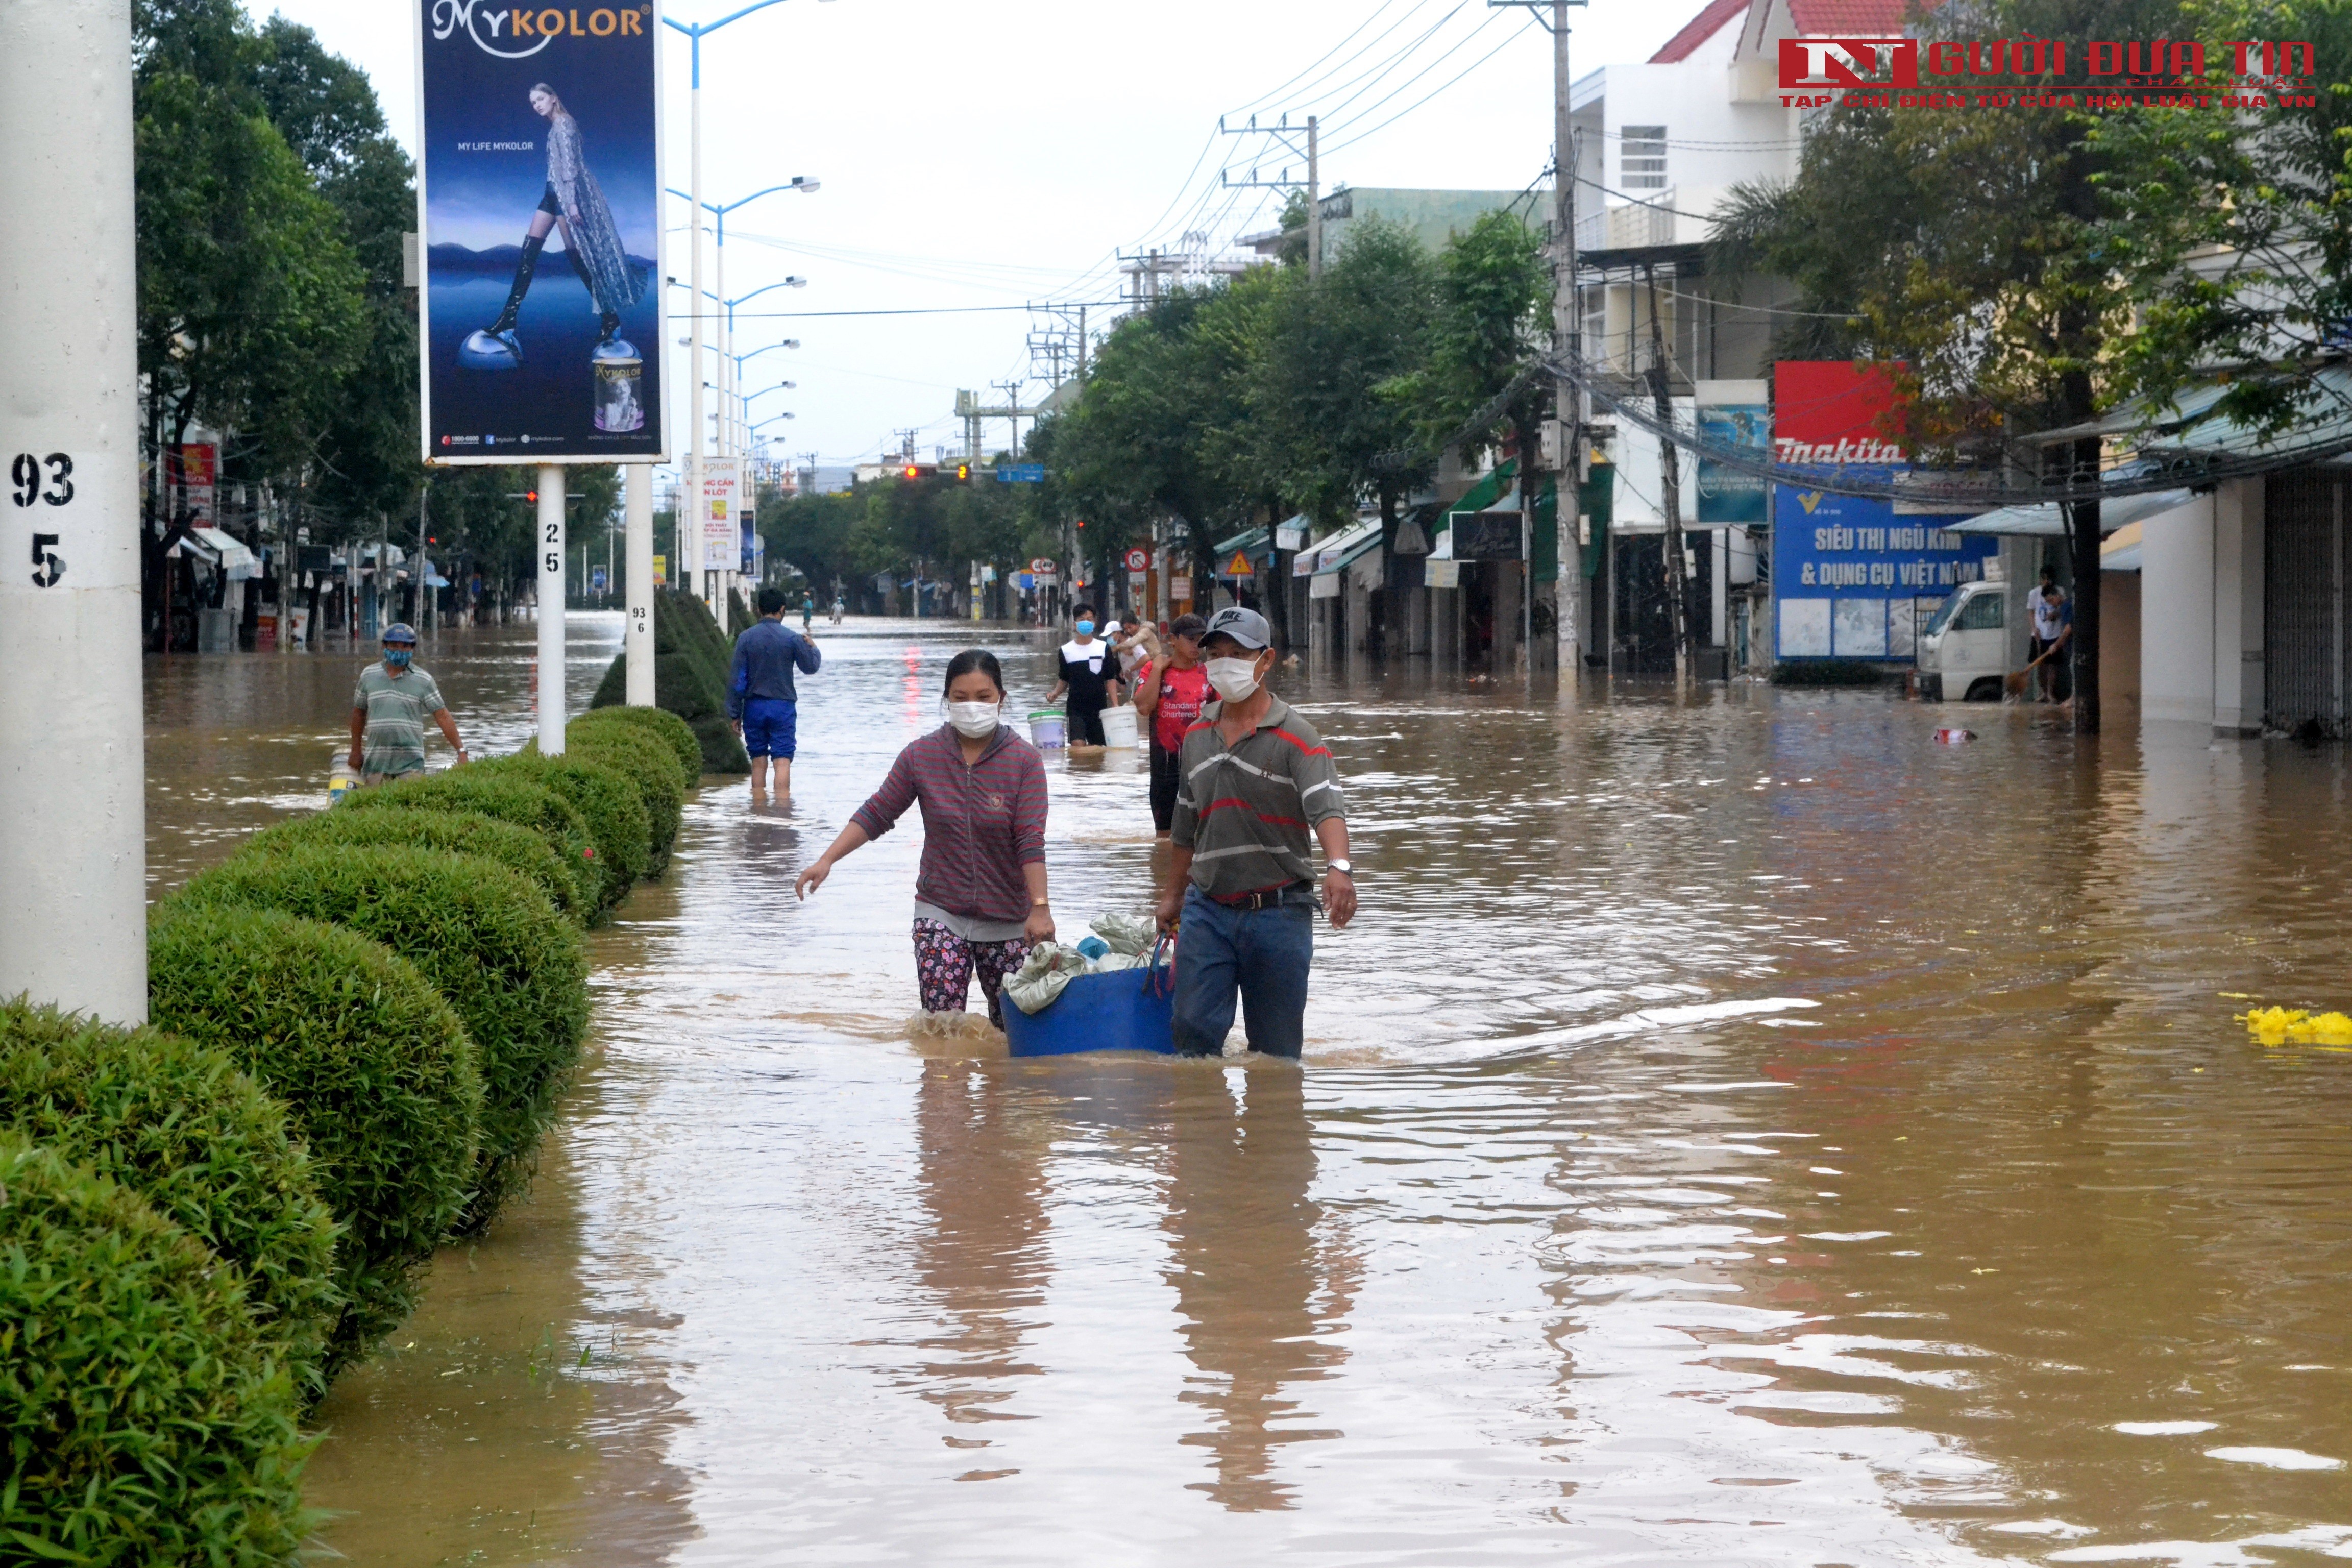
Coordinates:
(591, 240)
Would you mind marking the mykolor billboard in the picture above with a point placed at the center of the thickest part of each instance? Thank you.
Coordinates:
(1851, 576)
(539, 208)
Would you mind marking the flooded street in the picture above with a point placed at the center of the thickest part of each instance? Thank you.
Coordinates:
(1733, 1131)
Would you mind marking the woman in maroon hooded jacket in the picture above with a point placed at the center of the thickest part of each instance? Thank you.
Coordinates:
(979, 897)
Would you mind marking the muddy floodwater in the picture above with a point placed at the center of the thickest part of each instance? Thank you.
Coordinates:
(1739, 1131)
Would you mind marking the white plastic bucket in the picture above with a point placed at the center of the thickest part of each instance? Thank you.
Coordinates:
(1119, 728)
(1045, 731)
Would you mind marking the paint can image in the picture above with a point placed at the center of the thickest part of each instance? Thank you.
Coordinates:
(620, 403)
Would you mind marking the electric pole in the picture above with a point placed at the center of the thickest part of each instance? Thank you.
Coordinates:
(1285, 136)
(73, 812)
(1567, 335)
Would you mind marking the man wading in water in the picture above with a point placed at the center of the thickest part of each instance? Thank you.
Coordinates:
(1252, 776)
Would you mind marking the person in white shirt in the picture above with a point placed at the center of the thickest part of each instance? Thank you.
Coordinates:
(2050, 620)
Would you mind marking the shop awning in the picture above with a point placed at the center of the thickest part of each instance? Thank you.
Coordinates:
(1335, 553)
(222, 550)
(2047, 520)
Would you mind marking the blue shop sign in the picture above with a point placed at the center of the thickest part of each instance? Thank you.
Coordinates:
(1852, 578)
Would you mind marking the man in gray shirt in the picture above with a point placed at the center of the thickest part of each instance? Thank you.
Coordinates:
(389, 708)
(1253, 780)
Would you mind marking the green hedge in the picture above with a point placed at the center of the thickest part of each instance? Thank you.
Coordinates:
(606, 800)
(177, 1123)
(146, 1422)
(663, 725)
(509, 799)
(649, 765)
(377, 1071)
(692, 661)
(465, 832)
(515, 971)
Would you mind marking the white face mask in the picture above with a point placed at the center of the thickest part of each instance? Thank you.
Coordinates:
(972, 719)
(1235, 678)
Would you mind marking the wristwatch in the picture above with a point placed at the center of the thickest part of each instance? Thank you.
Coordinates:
(1345, 868)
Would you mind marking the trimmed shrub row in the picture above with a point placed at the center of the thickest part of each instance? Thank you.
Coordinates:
(514, 971)
(376, 1071)
(361, 1022)
(149, 1419)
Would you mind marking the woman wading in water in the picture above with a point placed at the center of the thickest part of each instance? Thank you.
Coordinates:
(979, 897)
(591, 241)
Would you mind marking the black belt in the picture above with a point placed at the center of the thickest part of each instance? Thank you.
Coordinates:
(1273, 898)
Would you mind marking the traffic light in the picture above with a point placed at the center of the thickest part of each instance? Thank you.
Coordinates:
(910, 472)
(964, 473)
(531, 496)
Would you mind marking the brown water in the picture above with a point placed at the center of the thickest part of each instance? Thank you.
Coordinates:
(1734, 1132)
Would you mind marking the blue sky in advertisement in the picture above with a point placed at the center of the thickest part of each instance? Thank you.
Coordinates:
(1852, 578)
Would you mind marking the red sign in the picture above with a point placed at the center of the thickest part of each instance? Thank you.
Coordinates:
(1139, 560)
(1848, 62)
(1827, 411)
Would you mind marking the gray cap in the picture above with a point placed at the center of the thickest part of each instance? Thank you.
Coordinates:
(1246, 627)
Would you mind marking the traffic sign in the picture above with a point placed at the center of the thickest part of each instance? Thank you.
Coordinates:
(1239, 566)
(1041, 565)
(1139, 560)
(1021, 473)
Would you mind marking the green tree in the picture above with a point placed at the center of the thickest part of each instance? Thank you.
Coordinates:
(326, 110)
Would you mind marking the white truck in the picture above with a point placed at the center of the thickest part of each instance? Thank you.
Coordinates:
(1968, 646)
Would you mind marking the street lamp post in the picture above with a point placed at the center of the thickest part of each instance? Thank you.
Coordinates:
(695, 283)
(696, 32)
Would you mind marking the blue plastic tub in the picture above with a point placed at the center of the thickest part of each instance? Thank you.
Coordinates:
(1126, 1010)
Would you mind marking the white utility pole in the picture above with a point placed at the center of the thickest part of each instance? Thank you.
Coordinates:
(1314, 205)
(638, 644)
(73, 814)
(550, 610)
(1567, 334)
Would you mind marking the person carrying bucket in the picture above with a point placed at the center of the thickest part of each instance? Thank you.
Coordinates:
(1085, 671)
(980, 895)
(1253, 779)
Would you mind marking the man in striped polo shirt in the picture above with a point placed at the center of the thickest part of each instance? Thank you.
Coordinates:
(1253, 779)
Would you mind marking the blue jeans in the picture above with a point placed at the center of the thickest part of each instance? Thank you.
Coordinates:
(1260, 955)
(771, 727)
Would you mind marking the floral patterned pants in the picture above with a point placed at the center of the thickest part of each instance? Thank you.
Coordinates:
(944, 963)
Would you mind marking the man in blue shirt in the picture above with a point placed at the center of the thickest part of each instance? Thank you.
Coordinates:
(760, 697)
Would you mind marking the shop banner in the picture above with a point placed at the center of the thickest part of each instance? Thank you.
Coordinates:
(539, 201)
(721, 537)
(1851, 579)
(200, 474)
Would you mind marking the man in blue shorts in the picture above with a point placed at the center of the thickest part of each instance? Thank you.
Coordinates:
(760, 697)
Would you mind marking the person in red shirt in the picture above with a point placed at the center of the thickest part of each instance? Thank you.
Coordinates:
(1169, 692)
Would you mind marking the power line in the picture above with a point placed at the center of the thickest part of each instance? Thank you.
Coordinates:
(1467, 71)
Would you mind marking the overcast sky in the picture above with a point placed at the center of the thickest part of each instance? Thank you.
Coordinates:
(999, 155)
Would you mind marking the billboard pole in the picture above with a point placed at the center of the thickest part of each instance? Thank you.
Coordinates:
(73, 852)
(550, 610)
(638, 635)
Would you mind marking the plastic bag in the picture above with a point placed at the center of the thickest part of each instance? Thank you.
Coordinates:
(1129, 934)
(1049, 967)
